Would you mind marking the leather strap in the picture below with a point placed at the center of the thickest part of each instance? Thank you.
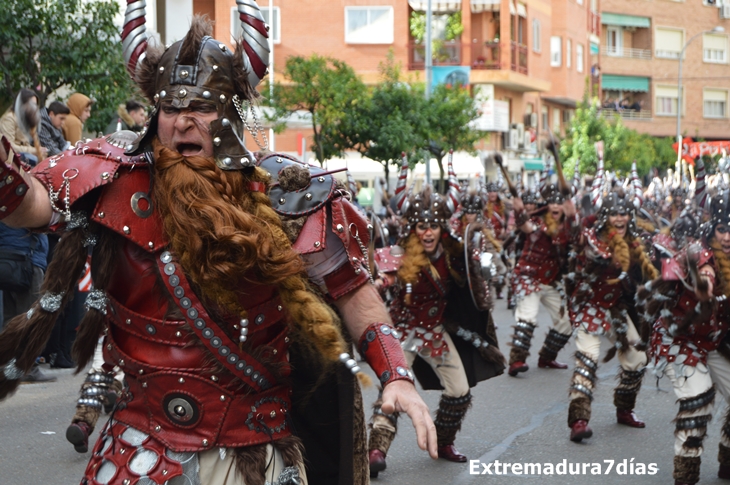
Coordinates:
(221, 346)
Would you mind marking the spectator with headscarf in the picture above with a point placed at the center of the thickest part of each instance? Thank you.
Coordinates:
(73, 127)
(19, 125)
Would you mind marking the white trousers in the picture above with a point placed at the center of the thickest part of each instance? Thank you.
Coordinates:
(529, 307)
(694, 385)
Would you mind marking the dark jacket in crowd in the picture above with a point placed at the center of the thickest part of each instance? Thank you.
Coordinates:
(50, 136)
(26, 242)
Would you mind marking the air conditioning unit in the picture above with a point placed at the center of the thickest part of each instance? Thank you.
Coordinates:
(520, 127)
(725, 11)
(527, 139)
(511, 140)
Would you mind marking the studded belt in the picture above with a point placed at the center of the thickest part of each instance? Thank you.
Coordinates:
(239, 362)
(192, 413)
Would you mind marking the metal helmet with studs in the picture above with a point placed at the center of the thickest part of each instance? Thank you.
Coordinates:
(427, 206)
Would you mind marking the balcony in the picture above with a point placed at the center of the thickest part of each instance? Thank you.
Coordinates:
(629, 114)
(627, 52)
(486, 56)
(519, 58)
(444, 54)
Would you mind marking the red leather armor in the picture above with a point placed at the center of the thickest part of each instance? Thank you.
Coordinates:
(425, 311)
(540, 261)
(12, 183)
(701, 337)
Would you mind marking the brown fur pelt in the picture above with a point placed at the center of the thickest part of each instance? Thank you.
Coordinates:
(226, 236)
(580, 408)
(251, 460)
(552, 225)
(494, 206)
(24, 338)
(199, 27)
(723, 264)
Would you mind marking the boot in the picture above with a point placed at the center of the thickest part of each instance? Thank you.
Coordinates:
(554, 342)
(449, 416)
(78, 435)
(686, 470)
(624, 397)
(520, 347)
(580, 431)
(627, 417)
(579, 414)
(383, 428)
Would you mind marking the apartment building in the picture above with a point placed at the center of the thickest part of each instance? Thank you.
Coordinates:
(641, 45)
(528, 61)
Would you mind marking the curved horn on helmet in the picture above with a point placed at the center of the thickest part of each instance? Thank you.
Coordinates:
(401, 199)
(543, 176)
(452, 196)
(134, 35)
(700, 185)
(255, 41)
(636, 184)
(597, 188)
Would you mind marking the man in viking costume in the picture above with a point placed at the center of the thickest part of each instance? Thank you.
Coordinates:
(445, 328)
(537, 277)
(209, 270)
(689, 308)
(610, 263)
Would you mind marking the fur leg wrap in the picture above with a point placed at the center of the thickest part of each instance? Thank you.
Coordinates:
(87, 414)
(691, 423)
(624, 396)
(554, 343)
(723, 455)
(584, 377)
(449, 417)
(383, 428)
(687, 469)
(521, 341)
(93, 396)
(580, 408)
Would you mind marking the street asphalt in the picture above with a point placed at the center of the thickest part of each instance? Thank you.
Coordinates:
(518, 421)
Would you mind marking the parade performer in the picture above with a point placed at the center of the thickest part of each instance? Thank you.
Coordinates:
(448, 337)
(200, 287)
(689, 307)
(537, 277)
(610, 263)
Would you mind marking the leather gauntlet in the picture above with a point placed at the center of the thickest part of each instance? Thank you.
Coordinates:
(380, 347)
(12, 186)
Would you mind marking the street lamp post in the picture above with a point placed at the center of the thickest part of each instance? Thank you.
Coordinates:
(715, 30)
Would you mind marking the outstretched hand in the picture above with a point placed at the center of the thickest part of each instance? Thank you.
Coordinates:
(401, 396)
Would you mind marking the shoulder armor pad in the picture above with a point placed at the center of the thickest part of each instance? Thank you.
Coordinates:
(601, 248)
(303, 201)
(86, 167)
(389, 258)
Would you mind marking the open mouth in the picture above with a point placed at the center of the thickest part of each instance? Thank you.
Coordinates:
(189, 149)
(725, 247)
(621, 227)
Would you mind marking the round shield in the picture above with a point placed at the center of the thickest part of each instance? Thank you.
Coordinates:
(478, 266)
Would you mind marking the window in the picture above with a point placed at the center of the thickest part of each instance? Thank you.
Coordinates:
(369, 25)
(614, 41)
(536, 46)
(544, 121)
(669, 43)
(715, 103)
(556, 119)
(579, 62)
(568, 52)
(714, 48)
(556, 58)
(274, 29)
(666, 100)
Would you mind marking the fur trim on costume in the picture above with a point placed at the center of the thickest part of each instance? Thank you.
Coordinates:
(580, 408)
(449, 416)
(87, 414)
(554, 343)
(723, 455)
(251, 460)
(380, 437)
(521, 341)
(624, 396)
(687, 469)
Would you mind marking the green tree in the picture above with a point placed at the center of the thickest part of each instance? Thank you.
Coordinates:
(390, 121)
(46, 45)
(449, 114)
(326, 88)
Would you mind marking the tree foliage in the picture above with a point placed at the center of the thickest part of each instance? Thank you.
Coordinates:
(49, 44)
(622, 145)
(329, 90)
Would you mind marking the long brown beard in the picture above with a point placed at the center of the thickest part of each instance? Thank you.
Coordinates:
(212, 221)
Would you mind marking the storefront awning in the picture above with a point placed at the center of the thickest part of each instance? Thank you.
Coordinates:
(534, 164)
(478, 6)
(625, 20)
(613, 82)
(594, 48)
(437, 6)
